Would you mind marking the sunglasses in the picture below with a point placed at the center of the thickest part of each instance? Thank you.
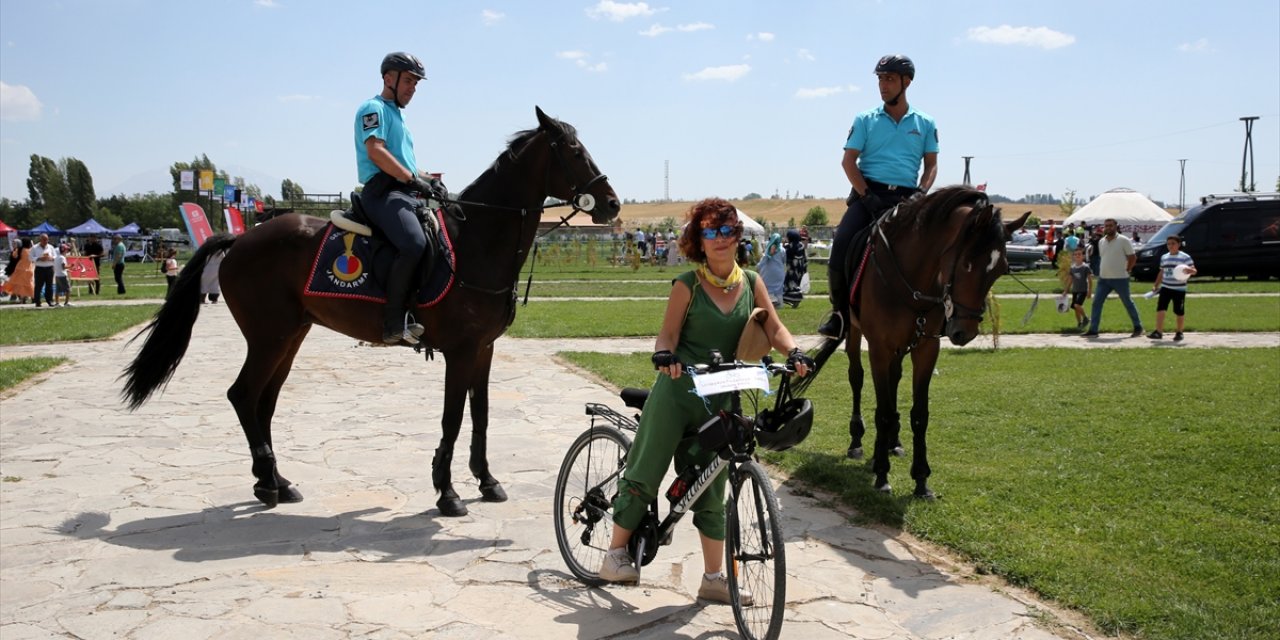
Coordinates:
(722, 231)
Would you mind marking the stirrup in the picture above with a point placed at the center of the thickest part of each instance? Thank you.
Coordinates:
(412, 327)
(835, 318)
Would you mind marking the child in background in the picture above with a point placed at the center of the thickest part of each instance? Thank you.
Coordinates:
(1081, 286)
(1171, 282)
(170, 270)
(62, 286)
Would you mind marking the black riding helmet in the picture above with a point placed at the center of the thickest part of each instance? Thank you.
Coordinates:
(898, 64)
(403, 62)
(785, 428)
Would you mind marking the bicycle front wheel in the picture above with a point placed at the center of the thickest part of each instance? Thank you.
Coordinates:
(755, 558)
(585, 488)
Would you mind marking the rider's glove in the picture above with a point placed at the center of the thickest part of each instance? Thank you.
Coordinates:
(872, 203)
(423, 186)
(915, 196)
(663, 359)
(797, 356)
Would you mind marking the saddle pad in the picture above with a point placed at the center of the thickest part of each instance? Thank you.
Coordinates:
(344, 268)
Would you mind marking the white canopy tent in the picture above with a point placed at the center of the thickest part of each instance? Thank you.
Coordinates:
(1130, 209)
(749, 227)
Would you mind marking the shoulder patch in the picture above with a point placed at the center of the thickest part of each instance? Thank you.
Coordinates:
(369, 120)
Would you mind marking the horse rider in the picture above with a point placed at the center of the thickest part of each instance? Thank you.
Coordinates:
(882, 156)
(389, 171)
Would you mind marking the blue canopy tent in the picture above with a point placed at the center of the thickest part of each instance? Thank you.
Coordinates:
(90, 227)
(130, 229)
(44, 227)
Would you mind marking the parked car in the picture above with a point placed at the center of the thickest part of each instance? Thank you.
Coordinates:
(1227, 235)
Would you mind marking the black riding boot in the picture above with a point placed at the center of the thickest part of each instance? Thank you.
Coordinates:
(835, 325)
(394, 327)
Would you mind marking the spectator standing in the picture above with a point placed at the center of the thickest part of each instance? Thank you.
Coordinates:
(1081, 286)
(117, 263)
(1171, 282)
(94, 250)
(62, 286)
(797, 268)
(21, 271)
(43, 256)
(642, 243)
(1117, 260)
(170, 271)
(1095, 258)
(773, 269)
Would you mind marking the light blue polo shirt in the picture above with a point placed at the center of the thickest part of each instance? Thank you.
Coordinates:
(381, 118)
(891, 152)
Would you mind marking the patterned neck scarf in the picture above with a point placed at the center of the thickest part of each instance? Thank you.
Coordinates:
(728, 284)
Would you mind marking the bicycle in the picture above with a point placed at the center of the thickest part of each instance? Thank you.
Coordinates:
(755, 556)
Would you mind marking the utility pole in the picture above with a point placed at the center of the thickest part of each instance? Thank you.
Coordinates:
(967, 181)
(1247, 185)
(666, 181)
(1182, 186)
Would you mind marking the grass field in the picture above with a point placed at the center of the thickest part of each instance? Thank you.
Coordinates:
(1115, 482)
(70, 324)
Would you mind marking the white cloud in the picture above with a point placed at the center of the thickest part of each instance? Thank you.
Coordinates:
(18, 103)
(580, 58)
(655, 30)
(619, 11)
(598, 67)
(763, 36)
(728, 73)
(297, 97)
(1042, 37)
(268, 4)
(824, 92)
(804, 54)
(571, 55)
(1199, 46)
(696, 26)
(491, 17)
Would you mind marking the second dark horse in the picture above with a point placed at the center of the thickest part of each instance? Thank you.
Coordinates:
(265, 270)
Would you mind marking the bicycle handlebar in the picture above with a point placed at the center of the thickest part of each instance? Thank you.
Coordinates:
(769, 365)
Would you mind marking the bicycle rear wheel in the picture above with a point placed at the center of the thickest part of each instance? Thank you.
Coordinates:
(755, 558)
(585, 488)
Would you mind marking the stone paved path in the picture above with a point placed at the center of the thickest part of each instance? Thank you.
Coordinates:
(142, 525)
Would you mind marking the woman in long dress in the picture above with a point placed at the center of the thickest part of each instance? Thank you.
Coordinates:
(21, 285)
(773, 269)
(797, 268)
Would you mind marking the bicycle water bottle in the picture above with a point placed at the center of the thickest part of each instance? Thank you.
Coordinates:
(681, 484)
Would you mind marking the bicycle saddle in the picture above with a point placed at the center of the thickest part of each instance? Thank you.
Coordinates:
(634, 398)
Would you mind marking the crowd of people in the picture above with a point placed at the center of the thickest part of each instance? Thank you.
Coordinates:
(39, 273)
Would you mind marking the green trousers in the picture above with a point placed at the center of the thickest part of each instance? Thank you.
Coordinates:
(669, 431)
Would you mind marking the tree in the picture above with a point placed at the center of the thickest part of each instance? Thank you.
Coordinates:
(79, 188)
(815, 217)
(290, 190)
(1068, 204)
(751, 196)
(47, 185)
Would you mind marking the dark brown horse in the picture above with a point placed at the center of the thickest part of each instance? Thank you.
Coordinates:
(931, 264)
(265, 270)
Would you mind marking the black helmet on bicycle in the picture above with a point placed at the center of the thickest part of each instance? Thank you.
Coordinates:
(401, 61)
(785, 428)
(898, 64)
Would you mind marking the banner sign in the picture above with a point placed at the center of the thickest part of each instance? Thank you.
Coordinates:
(244, 199)
(229, 193)
(187, 180)
(219, 185)
(206, 180)
(235, 222)
(198, 228)
(257, 206)
(81, 268)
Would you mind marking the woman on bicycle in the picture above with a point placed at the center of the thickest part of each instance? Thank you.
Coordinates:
(707, 310)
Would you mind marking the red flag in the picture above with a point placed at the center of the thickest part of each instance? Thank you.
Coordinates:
(982, 187)
(257, 205)
(235, 222)
(197, 224)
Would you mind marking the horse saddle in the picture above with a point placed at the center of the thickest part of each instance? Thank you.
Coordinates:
(355, 259)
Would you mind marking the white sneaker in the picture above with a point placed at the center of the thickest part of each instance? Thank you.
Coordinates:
(717, 590)
(619, 567)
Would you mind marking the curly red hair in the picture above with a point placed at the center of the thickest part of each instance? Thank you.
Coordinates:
(711, 212)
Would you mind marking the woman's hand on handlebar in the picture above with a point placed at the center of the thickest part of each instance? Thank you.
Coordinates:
(800, 361)
(668, 363)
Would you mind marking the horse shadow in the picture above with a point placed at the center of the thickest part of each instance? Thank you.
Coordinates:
(596, 612)
(249, 529)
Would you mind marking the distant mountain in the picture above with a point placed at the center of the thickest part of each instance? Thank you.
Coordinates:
(161, 182)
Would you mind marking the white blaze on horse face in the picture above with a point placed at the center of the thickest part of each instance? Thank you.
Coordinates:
(995, 257)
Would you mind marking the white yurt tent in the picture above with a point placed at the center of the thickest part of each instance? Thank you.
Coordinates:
(1130, 209)
(749, 227)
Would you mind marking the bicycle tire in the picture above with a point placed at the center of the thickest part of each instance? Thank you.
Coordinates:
(755, 556)
(594, 460)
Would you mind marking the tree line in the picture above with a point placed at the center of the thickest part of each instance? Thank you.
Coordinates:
(62, 193)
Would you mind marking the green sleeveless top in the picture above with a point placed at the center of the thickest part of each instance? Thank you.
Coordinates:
(706, 327)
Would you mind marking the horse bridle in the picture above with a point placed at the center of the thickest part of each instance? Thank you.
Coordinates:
(950, 308)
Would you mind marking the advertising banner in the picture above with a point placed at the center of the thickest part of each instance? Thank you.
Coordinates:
(235, 222)
(257, 206)
(187, 180)
(81, 268)
(229, 193)
(198, 228)
(206, 180)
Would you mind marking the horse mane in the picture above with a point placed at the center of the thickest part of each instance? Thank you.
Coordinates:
(935, 208)
(516, 144)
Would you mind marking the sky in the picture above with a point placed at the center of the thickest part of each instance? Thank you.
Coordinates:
(733, 97)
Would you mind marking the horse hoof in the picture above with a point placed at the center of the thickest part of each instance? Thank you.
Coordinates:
(885, 488)
(269, 497)
(289, 495)
(927, 495)
(451, 507)
(898, 451)
(493, 493)
(854, 453)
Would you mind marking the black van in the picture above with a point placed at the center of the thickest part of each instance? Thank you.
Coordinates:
(1227, 235)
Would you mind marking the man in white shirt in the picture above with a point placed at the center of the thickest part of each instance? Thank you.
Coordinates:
(1117, 262)
(43, 255)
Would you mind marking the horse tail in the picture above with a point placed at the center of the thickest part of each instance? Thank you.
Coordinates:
(820, 358)
(170, 330)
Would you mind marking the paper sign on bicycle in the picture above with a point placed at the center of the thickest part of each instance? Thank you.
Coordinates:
(709, 384)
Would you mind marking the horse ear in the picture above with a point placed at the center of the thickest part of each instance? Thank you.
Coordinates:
(1011, 227)
(545, 121)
